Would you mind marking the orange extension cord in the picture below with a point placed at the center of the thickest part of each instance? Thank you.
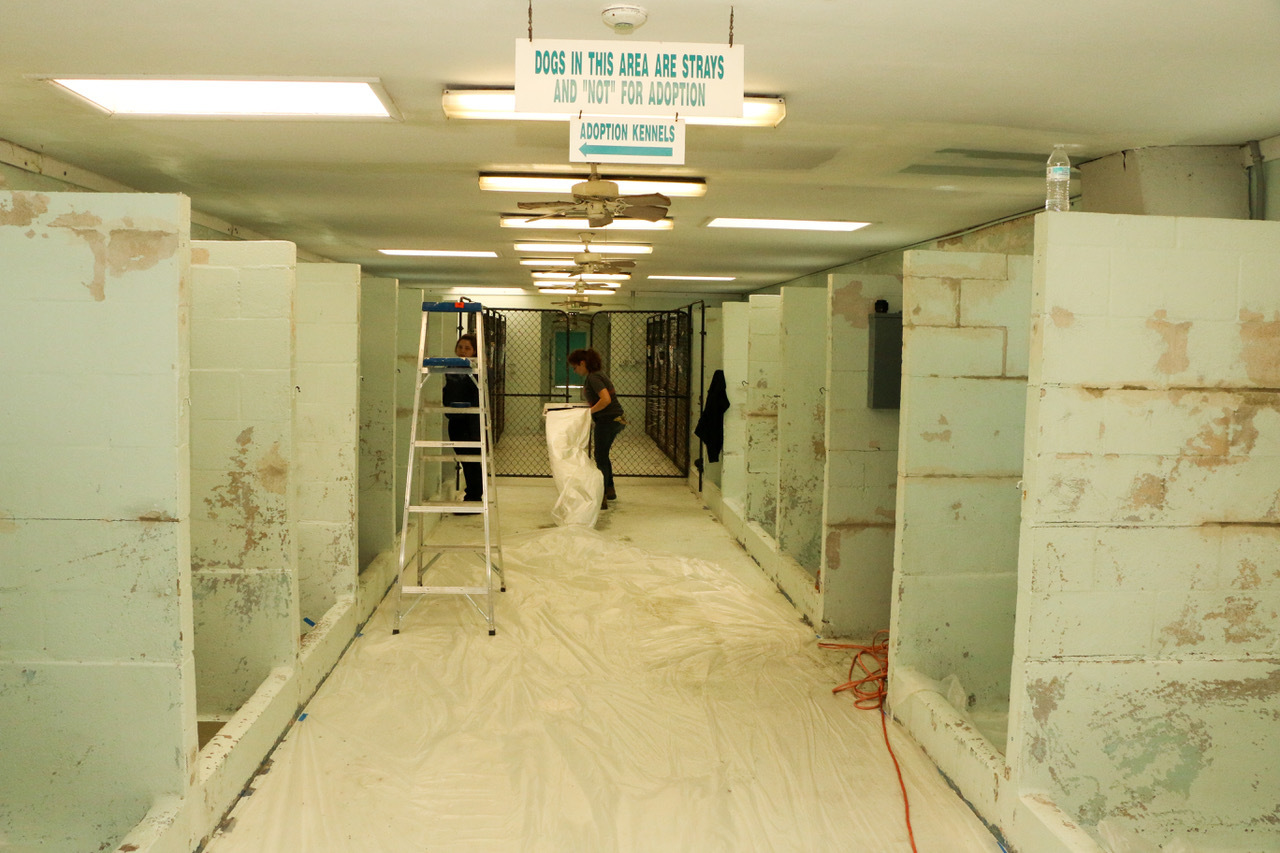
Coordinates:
(869, 691)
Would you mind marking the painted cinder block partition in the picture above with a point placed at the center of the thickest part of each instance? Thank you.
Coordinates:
(733, 460)
(244, 540)
(966, 327)
(96, 667)
(860, 476)
(1143, 674)
(1147, 669)
(801, 425)
(377, 497)
(764, 357)
(327, 383)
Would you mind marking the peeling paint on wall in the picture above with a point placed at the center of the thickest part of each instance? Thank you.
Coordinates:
(26, 209)
(119, 251)
(241, 494)
(848, 303)
(1148, 492)
(1175, 335)
(1261, 340)
(1061, 317)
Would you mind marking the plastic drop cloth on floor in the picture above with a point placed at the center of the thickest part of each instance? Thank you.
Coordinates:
(631, 701)
(579, 481)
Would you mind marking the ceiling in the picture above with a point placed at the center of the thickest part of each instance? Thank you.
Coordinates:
(923, 118)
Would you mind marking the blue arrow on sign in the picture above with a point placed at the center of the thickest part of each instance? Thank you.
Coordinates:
(627, 150)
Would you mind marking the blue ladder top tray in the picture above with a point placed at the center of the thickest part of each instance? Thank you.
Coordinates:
(452, 307)
(448, 362)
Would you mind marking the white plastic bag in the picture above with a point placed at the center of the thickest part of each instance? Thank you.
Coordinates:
(579, 481)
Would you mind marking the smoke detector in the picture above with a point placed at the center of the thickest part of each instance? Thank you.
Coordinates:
(624, 18)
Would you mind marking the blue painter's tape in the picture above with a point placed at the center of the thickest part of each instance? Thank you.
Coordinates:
(308, 621)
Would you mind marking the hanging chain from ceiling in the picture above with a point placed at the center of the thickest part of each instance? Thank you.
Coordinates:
(530, 20)
(730, 25)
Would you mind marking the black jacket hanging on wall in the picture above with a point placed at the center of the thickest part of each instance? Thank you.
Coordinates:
(710, 426)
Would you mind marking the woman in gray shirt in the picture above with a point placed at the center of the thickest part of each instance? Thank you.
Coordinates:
(606, 412)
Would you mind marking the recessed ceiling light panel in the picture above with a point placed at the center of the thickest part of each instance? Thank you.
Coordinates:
(788, 224)
(513, 183)
(693, 277)
(602, 248)
(437, 253)
(232, 98)
(561, 223)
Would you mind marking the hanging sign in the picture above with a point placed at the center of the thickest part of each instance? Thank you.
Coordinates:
(633, 78)
(618, 139)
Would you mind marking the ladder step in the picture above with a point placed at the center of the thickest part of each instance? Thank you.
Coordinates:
(476, 444)
(451, 506)
(430, 548)
(446, 590)
(467, 371)
(453, 410)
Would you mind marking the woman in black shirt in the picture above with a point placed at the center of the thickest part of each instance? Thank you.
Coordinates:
(460, 390)
(606, 412)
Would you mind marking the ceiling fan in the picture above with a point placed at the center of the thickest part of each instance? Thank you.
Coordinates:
(577, 302)
(598, 201)
(588, 262)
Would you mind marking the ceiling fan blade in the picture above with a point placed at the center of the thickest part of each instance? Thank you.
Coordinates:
(652, 214)
(603, 219)
(547, 206)
(620, 263)
(647, 200)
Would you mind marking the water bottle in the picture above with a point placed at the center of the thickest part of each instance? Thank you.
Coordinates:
(1058, 180)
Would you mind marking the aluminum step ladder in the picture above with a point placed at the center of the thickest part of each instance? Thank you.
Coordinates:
(415, 562)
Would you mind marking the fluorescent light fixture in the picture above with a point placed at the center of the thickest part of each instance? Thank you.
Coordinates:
(588, 276)
(223, 98)
(500, 104)
(602, 248)
(542, 286)
(588, 291)
(580, 224)
(547, 262)
(693, 277)
(437, 253)
(788, 224)
(512, 183)
(486, 291)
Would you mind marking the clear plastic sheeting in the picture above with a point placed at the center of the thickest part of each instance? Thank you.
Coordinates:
(579, 481)
(631, 701)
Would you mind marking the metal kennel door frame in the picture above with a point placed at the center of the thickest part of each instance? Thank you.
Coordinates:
(528, 369)
(648, 355)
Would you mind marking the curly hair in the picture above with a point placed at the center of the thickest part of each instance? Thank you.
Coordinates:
(589, 357)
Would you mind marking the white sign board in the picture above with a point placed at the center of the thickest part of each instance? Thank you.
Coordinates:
(616, 139)
(633, 78)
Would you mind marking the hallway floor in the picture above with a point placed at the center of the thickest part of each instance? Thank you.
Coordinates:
(647, 690)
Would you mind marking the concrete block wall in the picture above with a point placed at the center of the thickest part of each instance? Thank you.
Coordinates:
(244, 539)
(764, 358)
(377, 496)
(408, 331)
(1146, 684)
(326, 440)
(966, 327)
(801, 444)
(96, 666)
(733, 467)
(860, 477)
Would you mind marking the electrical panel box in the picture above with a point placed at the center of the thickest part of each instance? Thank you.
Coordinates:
(884, 360)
